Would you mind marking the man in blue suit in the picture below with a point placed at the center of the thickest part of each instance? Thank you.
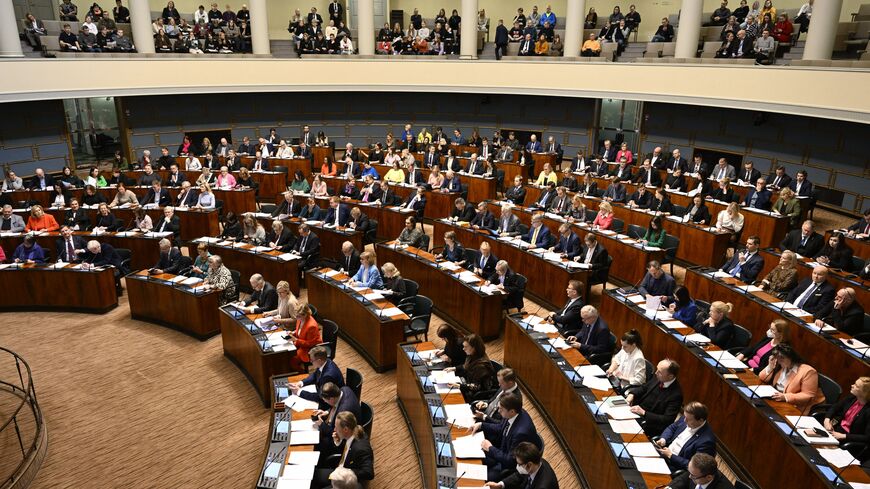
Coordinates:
(747, 264)
(539, 235)
(687, 436)
(759, 197)
(325, 371)
(533, 146)
(339, 400)
(568, 244)
(593, 335)
(801, 186)
(501, 438)
(338, 214)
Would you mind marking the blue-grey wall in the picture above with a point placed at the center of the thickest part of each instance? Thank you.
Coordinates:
(33, 135)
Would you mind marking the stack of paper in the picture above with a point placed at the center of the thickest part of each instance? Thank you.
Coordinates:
(838, 457)
(445, 377)
(391, 311)
(311, 437)
(545, 328)
(590, 370)
(726, 359)
(642, 449)
(597, 383)
(476, 472)
(469, 446)
(673, 324)
(803, 423)
(574, 264)
(560, 344)
(698, 338)
(459, 415)
(636, 298)
(468, 277)
(763, 390)
(299, 404)
(624, 426)
(288, 256)
(449, 265)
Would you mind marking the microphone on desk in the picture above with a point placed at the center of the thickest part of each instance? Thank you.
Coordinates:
(452, 486)
(797, 423)
(840, 472)
(625, 445)
(441, 450)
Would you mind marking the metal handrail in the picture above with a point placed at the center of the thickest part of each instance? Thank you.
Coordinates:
(26, 391)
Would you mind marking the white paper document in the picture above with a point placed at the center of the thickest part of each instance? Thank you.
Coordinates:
(305, 438)
(304, 458)
(597, 383)
(469, 446)
(673, 324)
(652, 465)
(302, 425)
(636, 298)
(560, 344)
(298, 404)
(838, 457)
(459, 415)
(625, 426)
(698, 338)
(726, 359)
(590, 370)
(642, 449)
(545, 328)
(298, 472)
(762, 390)
(621, 412)
(472, 471)
(802, 423)
(445, 377)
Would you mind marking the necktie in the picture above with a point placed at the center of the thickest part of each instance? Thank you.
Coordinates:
(302, 247)
(735, 272)
(804, 240)
(70, 250)
(482, 262)
(589, 255)
(552, 148)
(721, 174)
(163, 225)
(507, 429)
(806, 295)
(336, 215)
(746, 179)
(535, 236)
(776, 182)
(344, 453)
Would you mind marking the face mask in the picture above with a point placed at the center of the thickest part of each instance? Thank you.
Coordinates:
(770, 334)
(522, 470)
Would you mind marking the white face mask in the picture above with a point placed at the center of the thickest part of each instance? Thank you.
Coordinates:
(522, 470)
(770, 333)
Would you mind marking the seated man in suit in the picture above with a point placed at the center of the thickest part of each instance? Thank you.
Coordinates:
(622, 173)
(615, 192)
(702, 471)
(722, 171)
(546, 198)
(486, 262)
(804, 241)
(348, 439)
(169, 223)
(462, 211)
(508, 282)
(561, 203)
(358, 220)
(640, 198)
(568, 318)
(846, 314)
(188, 196)
(861, 228)
(778, 179)
(656, 282)
(687, 436)
(800, 185)
(489, 410)
(593, 335)
(746, 264)
(568, 244)
(288, 207)
(758, 197)
(483, 219)
(307, 247)
(594, 255)
(536, 472)
(280, 238)
(814, 294)
(416, 201)
(104, 255)
(748, 174)
(10, 221)
(41, 181)
(647, 175)
(349, 263)
(371, 191)
(337, 214)
(156, 196)
(517, 193)
(474, 167)
(310, 212)
(76, 217)
(325, 372)
(414, 177)
(69, 248)
(176, 178)
(265, 296)
(658, 402)
(452, 182)
(170, 259)
(539, 235)
(339, 400)
(501, 438)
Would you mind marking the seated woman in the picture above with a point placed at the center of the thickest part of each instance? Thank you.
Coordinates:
(731, 220)
(395, 175)
(91, 197)
(724, 193)
(60, 197)
(368, 274)
(547, 175)
(232, 227)
(245, 180)
(299, 183)
(69, 179)
(757, 356)
(28, 251)
(836, 253)
(305, 336)
(542, 47)
(288, 304)
(310, 212)
(141, 221)
(436, 179)
(106, 221)
(577, 212)
(329, 168)
(698, 212)
(411, 235)
(788, 205)
(394, 284)
(283, 151)
(604, 219)
(200, 265)
(848, 420)
(349, 190)
(477, 370)
(716, 325)
(206, 198)
(40, 221)
(683, 308)
(795, 382)
(452, 353)
(220, 278)
(94, 178)
(655, 233)
(453, 251)
(628, 366)
(252, 231)
(784, 276)
(319, 187)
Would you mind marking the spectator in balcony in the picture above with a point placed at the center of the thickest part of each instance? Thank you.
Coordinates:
(556, 47)
(105, 39)
(158, 25)
(720, 15)
(665, 32)
(455, 20)
(591, 48)
(90, 24)
(424, 31)
(67, 40)
(527, 47)
(547, 31)
(548, 17)
(516, 33)
(520, 18)
(68, 11)
(232, 32)
(244, 41)
(803, 17)
(632, 18)
(171, 29)
(591, 20)
(162, 43)
(727, 46)
(33, 29)
(331, 30)
(482, 21)
(121, 13)
(766, 23)
(741, 12)
(783, 31)
(542, 47)
(214, 14)
(763, 48)
(346, 45)
(228, 15)
(123, 43)
(768, 9)
(751, 27)
(616, 16)
(731, 26)
(170, 12)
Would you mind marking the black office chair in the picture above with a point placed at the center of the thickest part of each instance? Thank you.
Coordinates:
(603, 358)
(703, 307)
(670, 245)
(329, 333)
(829, 388)
(650, 369)
(419, 309)
(313, 312)
(464, 191)
(540, 442)
(740, 340)
(635, 231)
(523, 229)
(424, 242)
(679, 210)
(371, 235)
(126, 255)
(864, 337)
(354, 380)
(366, 418)
(186, 263)
(219, 205)
(237, 278)
(411, 287)
(618, 225)
(268, 208)
(739, 484)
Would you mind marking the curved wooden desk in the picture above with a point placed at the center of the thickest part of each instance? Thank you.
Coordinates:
(246, 345)
(437, 203)
(570, 410)
(785, 464)
(145, 250)
(38, 287)
(157, 299)
(331, 237)
(245, 258)
(361, 321)
(461, 303)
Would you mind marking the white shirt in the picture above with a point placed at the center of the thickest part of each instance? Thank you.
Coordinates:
(783, 378)
(589, 253)
(632, 367)
(683, 437)
(192, 164)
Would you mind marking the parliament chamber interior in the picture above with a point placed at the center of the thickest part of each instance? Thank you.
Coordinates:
(364, 244)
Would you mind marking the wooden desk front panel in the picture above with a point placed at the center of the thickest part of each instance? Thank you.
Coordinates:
(38, 288)
(196, 315)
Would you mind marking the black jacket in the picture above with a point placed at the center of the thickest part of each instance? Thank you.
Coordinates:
(820, 302)
(545, 478)
(516, 194)
(77, 218)
(849, 321)
(170, 262)
(860, 429)
(173, 225)
(466, 214)
(662, 404)
(266, 299)
(568, 318)
(61, 248)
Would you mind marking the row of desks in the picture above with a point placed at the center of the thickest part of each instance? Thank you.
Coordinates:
(53, 287)
(248, 260)
(145, 250)
(838, 278)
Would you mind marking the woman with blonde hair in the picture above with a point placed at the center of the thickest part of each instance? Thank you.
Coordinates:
(283, 151)
(394, 284)
(783, 277)
(288, 306)
(305, 337)
(252, 231)
(788, 205)
(730, 219)
(604, 219)
(206, 197)
(716, 325)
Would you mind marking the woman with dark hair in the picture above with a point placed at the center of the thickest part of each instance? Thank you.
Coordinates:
(60, 197)
(683, 308)
(186, 147)
(836, 253)
(795, 382)
(628, 366)
(232, 227)
(478, 372)
(452, 353)
(299, 183)
(757, 356)
(655, 233)
(69, 178)
(697, 212)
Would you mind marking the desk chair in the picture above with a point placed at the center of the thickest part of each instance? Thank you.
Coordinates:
(329, 333)
(354, 380)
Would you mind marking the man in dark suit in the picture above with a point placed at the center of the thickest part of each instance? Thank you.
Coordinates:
(452, 183)
(746, 264)
(608, 152)
(388, 197)
(687, 436)
(259, 163)
(537, 472)
(188, 196)
(352, 168)
(501, 40)
(622, 173)
(76, 217)
(701, 472)
(845, 314)
(814, 294)
(265, 296)
(351, 153)
(589, 187)
(677, 161)
(568, 318)
(758, 197)
(561, 203)
(169, 223)
(539, 235)
(647, 175)
(489, 410)
(546, 197)
(416, 201)
(350, 441)
(69, 248)
(483, 219)
(337, 214)
(615, 192)
(156, 195)
(658, 160)
(307, 247)
(371, 190)
(288, 207)
(246, 148)
(555, 148)
(336, 10)
(600, 168)
(41, 181)
(568, 244)
(349, 263)
(358, 220)
(748, 174)
(861, 228)
(176, 178)
(517, 193)
(659, 400)
(462, 211)
(804, 241)
(640, 198)
(593, 336)
(170, 259)
(474, 167)
(339, 400)
(501, 438)
(484, 264)
(505, 154)
(280, 238)
(801, 186)
(325, 371)
(594, 255)
(431, 158)
(414, 177)
(104, 255)
(778, 179)
(508, 282)
(527, 46)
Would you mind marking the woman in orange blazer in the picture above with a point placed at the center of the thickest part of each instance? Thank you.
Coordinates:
(306, 336)
(40, 221)
(796, 382)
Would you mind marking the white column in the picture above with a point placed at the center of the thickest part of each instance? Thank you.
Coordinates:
(140, 18)
(574, 27)
(259, 27)
(10, 44)
(689, 31)
(365, 17)
(823, 29)
(468, 45)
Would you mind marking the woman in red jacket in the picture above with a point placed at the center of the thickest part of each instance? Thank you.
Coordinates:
(783, 30)
(306, 336)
